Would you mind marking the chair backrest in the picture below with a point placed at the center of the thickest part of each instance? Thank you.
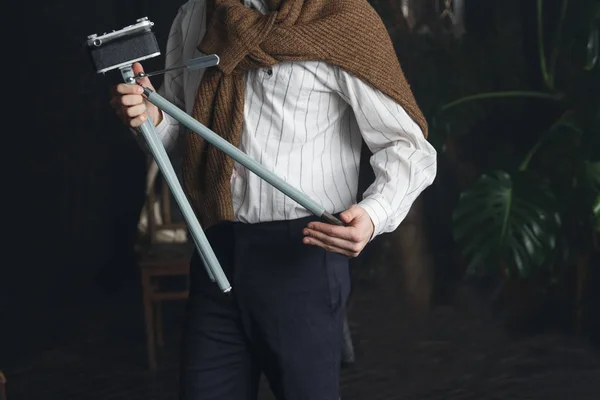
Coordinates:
(156, 222)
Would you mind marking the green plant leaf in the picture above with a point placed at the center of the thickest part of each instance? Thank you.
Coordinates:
(596, 213)
(593, 175)
(591, 140)
(502, 95)
(504, 220)
(593, 51)
(589, 181)
(593, 43)
(562, 137)
(461, 116)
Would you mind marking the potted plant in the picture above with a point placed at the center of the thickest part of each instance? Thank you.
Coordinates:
(535, 222)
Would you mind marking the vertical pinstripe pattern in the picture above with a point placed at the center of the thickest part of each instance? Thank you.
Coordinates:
(306, 121)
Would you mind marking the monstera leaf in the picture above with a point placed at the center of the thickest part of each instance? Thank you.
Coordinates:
(507, 222)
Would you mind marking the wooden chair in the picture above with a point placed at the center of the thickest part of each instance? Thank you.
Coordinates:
(163, 251)
(2, 386)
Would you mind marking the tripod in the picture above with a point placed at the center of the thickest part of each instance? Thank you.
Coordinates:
(159, 153)
(133, 43)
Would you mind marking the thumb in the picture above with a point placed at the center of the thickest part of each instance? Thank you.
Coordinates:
(350, 214)
(137, 68)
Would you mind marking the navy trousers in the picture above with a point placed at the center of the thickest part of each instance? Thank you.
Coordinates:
(284, 316)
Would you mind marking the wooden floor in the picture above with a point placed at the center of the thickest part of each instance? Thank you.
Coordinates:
(458, 353)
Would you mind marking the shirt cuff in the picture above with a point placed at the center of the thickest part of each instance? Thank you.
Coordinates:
(378, 209)
(161, 128)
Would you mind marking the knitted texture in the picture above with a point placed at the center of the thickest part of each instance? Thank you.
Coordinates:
(344, 33)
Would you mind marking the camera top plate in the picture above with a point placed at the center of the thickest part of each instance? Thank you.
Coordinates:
(142, 25)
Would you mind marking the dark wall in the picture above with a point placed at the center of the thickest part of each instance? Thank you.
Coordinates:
(82, 179)
(81, 175)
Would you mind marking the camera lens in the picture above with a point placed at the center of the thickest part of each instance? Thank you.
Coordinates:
(97, 42)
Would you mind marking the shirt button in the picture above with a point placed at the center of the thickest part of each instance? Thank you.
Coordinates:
(270, 71)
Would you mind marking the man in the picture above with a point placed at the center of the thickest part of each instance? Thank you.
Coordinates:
(300, 85)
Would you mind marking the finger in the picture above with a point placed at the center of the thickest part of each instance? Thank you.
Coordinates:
(331, 241)
(138, 121)
(128, 88)
(137, 69)
(342, 232)
(135, 111)
(350, 214)
(129, 100)
(332, 249)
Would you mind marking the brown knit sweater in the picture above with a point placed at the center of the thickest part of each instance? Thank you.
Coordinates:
(345, 33)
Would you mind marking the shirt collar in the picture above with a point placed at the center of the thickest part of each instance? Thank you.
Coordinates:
(259, 5)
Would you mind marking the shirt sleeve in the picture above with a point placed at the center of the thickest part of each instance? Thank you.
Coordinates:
(403, 161)
(172, 88)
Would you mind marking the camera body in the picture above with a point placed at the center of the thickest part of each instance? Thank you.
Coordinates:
(121, 48)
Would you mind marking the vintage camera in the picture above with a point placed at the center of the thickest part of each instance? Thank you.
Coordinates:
(121, 48)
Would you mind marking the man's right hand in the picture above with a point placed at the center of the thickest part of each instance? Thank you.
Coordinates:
(130, 104)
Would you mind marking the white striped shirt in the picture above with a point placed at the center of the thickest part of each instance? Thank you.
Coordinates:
(305, 121)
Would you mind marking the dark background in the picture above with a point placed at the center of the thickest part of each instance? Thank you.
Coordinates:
(80, 175)
(82, 183)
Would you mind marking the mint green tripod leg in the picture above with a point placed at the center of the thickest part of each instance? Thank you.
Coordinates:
(241, 157)
(161, 157)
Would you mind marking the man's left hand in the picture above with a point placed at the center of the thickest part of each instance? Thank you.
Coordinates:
(347, 240)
